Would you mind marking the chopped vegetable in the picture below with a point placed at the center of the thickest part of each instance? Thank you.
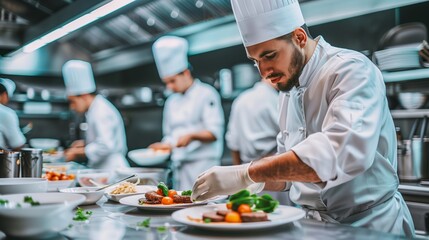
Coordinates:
(30, 200)
(81, 215)
(167, 200)
(187, 193)
(233, 217)
(172, 192)
(265, 202)
(3, 202)
(207, 220)
(161, 229)
(244, 208)
(164, 188)
(145, 223)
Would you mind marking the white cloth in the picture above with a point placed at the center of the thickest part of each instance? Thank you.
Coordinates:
(338, 123)
(253, 126)
(78, 77)
(10, 133)
(199, 108)
(106, 144)
(262, 20)
(9, 85)
(171, 55)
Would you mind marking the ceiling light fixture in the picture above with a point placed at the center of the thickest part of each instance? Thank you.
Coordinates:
(76, 24)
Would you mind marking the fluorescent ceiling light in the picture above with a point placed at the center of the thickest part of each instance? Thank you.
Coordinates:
(75, 24)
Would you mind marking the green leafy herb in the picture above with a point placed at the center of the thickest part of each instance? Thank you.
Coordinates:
(161, 229)
(81, 215)
(187, 193)
(264, 203)
(145, 223)
(3, 202)
(207, 220)
(163, 187)
(30, 200)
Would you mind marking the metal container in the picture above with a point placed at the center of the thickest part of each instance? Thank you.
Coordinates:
(31, 162)
(9, 164)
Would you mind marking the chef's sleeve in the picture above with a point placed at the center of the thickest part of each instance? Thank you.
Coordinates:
(347, 143)
(231, 136)
(212, 115)
(13, 135)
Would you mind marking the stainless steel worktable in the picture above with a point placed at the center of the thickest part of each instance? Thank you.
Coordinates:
(112, 220)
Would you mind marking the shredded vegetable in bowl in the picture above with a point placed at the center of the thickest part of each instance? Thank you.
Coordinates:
(126, 187)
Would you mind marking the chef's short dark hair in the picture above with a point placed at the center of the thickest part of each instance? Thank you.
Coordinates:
(2, 89)
(288, 36)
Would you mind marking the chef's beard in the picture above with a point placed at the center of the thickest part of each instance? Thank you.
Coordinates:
(295, 67)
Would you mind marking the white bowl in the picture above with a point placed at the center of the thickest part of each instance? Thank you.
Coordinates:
(44, 143)
(412, 100)
(99, 176)
(148, 157)
(147, 176)
(53, 215)
(23, 185)
(91, 195)
(54, 186)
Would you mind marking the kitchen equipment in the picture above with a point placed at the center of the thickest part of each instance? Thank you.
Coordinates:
(23, 185)
(9, 164)
(148, 156)
(225, 82)
(244, 76)
(412, 100)
(147, 176)
(31, 162)
(99, 176)
(46, 144)
(413, 165)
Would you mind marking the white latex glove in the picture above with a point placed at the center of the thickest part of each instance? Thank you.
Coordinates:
(224, 181)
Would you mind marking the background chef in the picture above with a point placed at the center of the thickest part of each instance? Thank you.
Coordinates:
(193, 120)
(105, 143)
(337, 143)
(11, 136)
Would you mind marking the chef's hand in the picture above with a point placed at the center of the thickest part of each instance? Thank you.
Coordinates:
(184, 141)
(78, 143)
(224, 181)
(161, 146)
(73, 153)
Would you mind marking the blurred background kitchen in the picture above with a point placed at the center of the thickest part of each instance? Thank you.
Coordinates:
(38, 36)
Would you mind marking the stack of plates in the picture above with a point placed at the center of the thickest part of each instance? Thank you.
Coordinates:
(398, 58)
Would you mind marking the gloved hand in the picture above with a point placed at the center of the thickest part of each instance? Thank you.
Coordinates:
(224, 181)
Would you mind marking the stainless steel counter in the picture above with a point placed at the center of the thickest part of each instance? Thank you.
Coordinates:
(112, 220)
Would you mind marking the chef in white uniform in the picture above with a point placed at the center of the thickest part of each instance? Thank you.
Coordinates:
(105, 143)
(11, 136)
(193, 120)
(337, 143)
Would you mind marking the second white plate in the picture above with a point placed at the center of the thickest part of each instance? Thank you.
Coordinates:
(141, 189)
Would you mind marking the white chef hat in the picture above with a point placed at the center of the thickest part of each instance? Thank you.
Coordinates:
(171, 55)
(9, 85)
(262, 20)
(78, 77)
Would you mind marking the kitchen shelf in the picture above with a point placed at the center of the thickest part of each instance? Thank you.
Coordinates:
(409, 75)
(59, 115)
(409, 113)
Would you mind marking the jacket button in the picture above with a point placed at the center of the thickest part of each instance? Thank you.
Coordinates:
(301, 129)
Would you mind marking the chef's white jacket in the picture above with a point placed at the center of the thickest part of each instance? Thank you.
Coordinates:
(253, 126)
(105, 140)
(10, 133)
(338, 123)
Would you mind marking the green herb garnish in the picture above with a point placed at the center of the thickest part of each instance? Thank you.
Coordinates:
(161, 229)
(3, 202)
(264, 203)
(187, 193)
(163, 187)
(30, 200)
(145, 223)
(207, 220)
(81, 215)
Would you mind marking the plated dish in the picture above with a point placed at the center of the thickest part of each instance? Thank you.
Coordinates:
(141, 189)
(134, 201)
(282, 215)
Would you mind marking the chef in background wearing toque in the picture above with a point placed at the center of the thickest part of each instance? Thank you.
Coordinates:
(105, 143)
(337, 145)
(11, 136)
(193, 120)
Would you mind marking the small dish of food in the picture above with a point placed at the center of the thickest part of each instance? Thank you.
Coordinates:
(126, 189)
(58, 180)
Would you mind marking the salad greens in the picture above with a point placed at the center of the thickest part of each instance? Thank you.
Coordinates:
(163, 187)
(81, 215)
(264, 203)
(30, 200)
(3, 202)
(145, 223)
(187, 193)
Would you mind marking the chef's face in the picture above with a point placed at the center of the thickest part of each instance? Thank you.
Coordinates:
(4, 98)
(178, 83)
(279, 60)
(77, 104)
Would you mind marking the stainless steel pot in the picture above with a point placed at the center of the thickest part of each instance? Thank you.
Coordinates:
(9, 164)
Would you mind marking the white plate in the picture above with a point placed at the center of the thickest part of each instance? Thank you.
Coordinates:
(282, 215)
(148, 157)
(53, 215)
(54, 186)
(22, 185)
(134, 201)
(141, 189)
